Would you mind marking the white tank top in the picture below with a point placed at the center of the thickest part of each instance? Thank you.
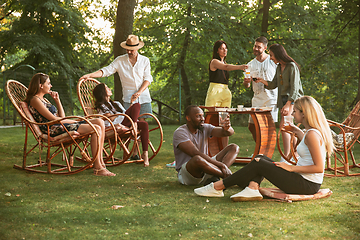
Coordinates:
(305, 158)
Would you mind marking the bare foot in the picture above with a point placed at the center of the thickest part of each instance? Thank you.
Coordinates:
(146, 158)
(103, 172)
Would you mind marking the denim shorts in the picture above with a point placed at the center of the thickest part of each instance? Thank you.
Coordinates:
(145, 108)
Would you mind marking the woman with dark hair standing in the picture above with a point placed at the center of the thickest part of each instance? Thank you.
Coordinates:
(43, 112)
(108, 107)
(287, 80)
(218, 93)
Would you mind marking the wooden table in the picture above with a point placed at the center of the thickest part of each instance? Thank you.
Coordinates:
(265, 132)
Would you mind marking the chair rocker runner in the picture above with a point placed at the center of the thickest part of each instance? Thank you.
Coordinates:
(128, 138)
(68, 143)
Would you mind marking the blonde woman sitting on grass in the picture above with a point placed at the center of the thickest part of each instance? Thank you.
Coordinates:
(305, 178)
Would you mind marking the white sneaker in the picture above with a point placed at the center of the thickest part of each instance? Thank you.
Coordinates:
(247, 194)
(209, 191)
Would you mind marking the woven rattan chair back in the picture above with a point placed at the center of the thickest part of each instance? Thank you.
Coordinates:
(86, 98)
(353, 121)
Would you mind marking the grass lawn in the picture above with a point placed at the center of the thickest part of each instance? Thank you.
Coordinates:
(156, 206)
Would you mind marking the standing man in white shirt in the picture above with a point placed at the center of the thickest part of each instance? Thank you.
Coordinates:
(261, 66)
(134, 72)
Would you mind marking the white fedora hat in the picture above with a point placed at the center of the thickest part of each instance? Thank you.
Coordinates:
(132, 43)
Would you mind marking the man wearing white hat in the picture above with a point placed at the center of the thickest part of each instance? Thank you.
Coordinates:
(135, 75)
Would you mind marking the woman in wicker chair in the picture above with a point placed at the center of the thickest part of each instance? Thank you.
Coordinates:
(43, 111)
(305, 178)
(108, 107)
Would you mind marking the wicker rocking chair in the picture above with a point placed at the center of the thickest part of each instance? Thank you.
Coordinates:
(128, 142)
(60, 150)
(345, 141)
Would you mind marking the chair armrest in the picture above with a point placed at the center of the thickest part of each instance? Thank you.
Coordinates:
(342, 126)
(343, 139)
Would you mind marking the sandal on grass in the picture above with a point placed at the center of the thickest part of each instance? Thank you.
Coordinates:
(103, 172)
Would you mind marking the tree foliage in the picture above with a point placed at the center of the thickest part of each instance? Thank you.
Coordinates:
(180, 35)
(321, 36)
(51, 34)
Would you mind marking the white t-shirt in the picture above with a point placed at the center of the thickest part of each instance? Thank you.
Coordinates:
(262, 96)
(266, 70)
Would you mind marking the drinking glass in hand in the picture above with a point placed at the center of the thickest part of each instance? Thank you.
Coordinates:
(222, 117)
(287, 121)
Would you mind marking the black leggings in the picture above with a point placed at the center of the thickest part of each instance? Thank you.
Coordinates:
(289, 182)
(133, 112)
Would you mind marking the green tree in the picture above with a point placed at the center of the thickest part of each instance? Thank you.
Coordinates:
(347, 30)
(52, 34)
(121, 14)
(180, 35)
(124, 27)
(322, 37)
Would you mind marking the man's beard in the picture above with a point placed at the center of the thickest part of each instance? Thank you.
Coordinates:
(200, 126)
(257, 53)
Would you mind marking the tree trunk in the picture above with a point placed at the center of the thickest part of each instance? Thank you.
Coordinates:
(181, 63)
(265, 19)
(358, 94)
(123, 28)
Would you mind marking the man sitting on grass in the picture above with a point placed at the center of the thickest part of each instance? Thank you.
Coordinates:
(190, 143)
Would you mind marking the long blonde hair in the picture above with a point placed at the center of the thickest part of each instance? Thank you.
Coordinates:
(315, 117)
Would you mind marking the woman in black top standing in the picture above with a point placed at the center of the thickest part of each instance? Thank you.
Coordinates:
(218, 94)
